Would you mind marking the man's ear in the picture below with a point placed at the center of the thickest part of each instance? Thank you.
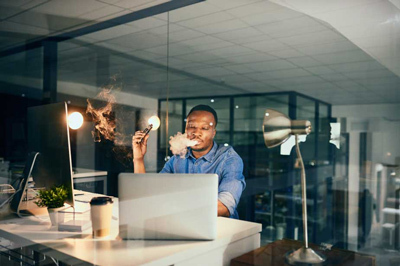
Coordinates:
(215, 131)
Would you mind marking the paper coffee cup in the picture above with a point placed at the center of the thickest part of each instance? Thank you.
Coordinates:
(100, 214)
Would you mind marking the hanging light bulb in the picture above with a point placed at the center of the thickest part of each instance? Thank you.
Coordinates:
(75, 120)
(155, 121)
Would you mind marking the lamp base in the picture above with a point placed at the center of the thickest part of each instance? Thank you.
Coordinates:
(304, 256)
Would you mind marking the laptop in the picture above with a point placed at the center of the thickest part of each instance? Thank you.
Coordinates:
(168, 206)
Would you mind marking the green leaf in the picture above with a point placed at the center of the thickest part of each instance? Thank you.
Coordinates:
(52, 198)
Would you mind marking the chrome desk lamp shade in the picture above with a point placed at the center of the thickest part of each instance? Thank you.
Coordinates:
(277, 128)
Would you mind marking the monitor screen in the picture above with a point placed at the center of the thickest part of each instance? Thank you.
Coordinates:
(48, 134)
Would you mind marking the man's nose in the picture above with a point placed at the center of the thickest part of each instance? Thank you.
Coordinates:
(196, 132)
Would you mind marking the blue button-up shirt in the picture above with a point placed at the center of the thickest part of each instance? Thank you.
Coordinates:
(220, 160)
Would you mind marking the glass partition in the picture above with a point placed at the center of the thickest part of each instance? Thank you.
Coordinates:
(114, 68)
(175, 125)
(21, 83)
(241, 57)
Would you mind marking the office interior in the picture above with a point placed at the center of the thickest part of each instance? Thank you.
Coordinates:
(335, 64)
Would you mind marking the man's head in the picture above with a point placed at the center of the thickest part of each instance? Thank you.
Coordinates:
(200, 125)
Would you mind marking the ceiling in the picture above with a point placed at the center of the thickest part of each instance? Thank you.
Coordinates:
(216, 47)
(22, 21)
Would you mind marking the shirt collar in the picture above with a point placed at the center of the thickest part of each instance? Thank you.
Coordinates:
(208, 157)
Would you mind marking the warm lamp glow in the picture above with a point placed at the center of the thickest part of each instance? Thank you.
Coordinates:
(75, 120)
(155, 121)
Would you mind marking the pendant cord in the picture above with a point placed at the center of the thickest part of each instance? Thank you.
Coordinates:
(167, 111)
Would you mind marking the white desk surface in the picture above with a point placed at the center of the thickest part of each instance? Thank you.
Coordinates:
(114, 251)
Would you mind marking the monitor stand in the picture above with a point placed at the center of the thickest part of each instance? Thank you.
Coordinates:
(75, 225)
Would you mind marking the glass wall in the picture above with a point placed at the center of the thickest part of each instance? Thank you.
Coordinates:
(240, 58)
(21, 79)
(175, 124)
(273, 192)
(114, 66)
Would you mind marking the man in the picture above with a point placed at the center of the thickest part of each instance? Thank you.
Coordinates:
(205, 157)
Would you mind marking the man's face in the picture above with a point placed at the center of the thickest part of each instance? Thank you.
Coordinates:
(200, 126)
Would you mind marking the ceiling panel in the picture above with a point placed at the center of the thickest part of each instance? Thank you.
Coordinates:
(40, 18)
(266, 46)
(213, 18)
(319, 37)
(137, 3)
(290, 73)
(304, 61)
(270, 16)
(271, 65)
(238, 34)
(193, 11)
(249, 8)
(343, 57)
(216, 47)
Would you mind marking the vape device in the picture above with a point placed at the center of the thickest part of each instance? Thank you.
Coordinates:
(146, 131)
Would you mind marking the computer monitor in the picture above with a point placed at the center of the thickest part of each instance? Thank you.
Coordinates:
(48, 134)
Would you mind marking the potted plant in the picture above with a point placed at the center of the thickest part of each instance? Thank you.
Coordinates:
(53, 199)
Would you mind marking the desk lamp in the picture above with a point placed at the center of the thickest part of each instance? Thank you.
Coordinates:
(277, 129)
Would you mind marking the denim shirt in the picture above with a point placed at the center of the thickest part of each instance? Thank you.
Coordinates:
(220, 160)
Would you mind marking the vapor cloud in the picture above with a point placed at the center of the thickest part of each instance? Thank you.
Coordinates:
(106, 124)
(179, 144)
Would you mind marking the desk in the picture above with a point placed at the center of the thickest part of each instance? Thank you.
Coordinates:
(274, 254)
(234, 238)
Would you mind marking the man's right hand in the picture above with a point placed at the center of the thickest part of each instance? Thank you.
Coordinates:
(139, 148)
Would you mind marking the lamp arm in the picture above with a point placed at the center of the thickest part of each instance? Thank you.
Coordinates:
(303, 192)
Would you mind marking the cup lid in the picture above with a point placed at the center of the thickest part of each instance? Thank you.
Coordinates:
(101, 200)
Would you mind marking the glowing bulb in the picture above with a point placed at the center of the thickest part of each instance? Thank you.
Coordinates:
(75, 120)
(155, 121)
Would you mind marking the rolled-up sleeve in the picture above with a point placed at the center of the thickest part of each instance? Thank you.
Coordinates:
(232, 182)
(227, 199)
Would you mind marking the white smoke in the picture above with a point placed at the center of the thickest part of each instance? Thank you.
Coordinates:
(179, 144)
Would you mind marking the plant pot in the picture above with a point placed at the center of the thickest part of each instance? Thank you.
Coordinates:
(56, 216)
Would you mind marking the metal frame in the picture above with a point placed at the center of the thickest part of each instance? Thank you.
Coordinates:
(50, 71)
(291, 93)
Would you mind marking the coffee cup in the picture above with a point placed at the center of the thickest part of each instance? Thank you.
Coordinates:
(100, 214)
